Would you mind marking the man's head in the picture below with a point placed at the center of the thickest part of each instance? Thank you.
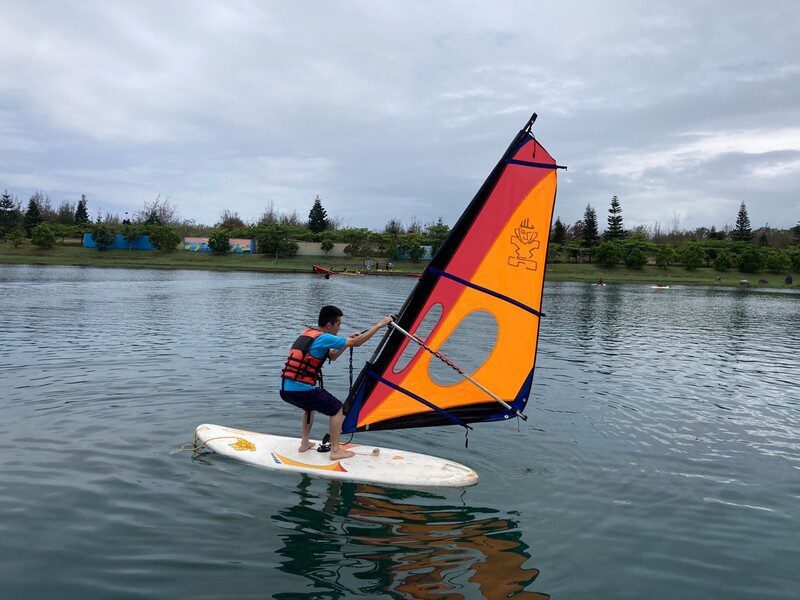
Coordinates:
(330, 319)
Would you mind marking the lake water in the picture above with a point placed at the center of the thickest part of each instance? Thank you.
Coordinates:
(661, 458)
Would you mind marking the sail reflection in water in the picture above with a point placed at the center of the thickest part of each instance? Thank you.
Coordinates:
(364, 539)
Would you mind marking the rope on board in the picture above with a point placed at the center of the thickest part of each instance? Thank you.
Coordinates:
(240, 444)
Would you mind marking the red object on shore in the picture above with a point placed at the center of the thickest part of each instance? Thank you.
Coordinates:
(417, 275)
(322, 270)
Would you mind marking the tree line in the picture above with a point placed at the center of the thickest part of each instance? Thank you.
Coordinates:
(43, 224)
(776, 250)
(277, 233)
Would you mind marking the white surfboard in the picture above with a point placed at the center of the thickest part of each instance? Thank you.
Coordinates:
(370, 464)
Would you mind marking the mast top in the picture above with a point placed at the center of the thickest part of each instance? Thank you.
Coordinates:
(530, 123)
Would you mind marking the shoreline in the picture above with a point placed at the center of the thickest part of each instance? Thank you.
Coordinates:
(72, 256)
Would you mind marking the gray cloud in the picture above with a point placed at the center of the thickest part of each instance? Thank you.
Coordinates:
(400, 110)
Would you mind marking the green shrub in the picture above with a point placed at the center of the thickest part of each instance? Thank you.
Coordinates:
(395, 247)
(778, 261)
(636, 259)
(664, 255)
(380, 242)
(574, 251)
(554, 252)
(359, 241)
(750, 260)
(714, 248)
(711, 252)
(62, 231)
(164, 238)
(691, 255)
(415, 252)
(103, 236)
(14, 237)
(245, 233)
(130, 233)
(794, 258)
(437, 234)
(636, 254)
(608, 254)
(289, 248)
(79, 229)
(327, 245)
(723, 261)
(271, 241)
(9, 215)
(43, 236)
(266, 242)
(219, 242)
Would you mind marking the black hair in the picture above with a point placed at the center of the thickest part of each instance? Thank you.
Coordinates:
(328, 314)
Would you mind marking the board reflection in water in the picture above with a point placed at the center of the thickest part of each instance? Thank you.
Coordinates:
(364, 539)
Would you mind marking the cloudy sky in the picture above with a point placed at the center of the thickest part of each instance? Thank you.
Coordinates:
(400, 110)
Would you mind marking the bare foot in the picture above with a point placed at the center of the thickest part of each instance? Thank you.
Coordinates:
(305, 447)
(340, 454)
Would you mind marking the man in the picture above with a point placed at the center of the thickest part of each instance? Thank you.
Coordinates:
(303, 370)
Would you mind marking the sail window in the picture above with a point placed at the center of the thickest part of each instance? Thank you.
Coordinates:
(468, 346)
(423, 331)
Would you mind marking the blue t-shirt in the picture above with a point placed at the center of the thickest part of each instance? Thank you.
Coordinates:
(319, 347)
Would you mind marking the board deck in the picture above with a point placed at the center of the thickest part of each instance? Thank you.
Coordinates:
(371, 464)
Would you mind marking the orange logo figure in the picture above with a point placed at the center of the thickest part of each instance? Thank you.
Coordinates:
(525, 242)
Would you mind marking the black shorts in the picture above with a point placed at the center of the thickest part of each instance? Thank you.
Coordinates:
(317, 399)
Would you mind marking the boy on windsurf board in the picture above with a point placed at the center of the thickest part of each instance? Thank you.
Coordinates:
(303, 371)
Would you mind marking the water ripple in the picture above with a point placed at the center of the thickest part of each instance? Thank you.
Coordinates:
(660, 458)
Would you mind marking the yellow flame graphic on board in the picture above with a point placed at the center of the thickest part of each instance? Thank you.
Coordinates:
(335, 466)
(241, 444)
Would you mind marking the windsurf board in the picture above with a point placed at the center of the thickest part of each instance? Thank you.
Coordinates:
(371, 464)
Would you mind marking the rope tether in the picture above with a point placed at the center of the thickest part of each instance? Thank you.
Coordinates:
(194, 447)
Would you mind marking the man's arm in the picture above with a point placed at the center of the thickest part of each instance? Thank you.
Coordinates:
(334, 354)
(358, 339)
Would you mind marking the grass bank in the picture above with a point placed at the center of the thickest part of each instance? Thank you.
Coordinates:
(664, 276)
(74, 255)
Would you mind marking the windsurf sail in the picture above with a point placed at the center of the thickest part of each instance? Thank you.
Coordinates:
(493, 261)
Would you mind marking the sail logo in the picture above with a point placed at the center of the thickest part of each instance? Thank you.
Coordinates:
(525, 243)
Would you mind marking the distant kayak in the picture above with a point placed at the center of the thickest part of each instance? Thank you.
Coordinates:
(328, 272)
(321, 270)
(660, 287)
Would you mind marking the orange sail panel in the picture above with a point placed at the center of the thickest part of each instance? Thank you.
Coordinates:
(492, 262)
